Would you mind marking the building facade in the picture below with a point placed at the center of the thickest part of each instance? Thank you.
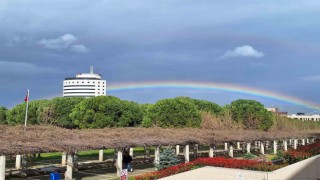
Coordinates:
(84, 85)
(277, 111)
(304, 117)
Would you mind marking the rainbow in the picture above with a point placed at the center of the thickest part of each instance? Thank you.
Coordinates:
(113, 88)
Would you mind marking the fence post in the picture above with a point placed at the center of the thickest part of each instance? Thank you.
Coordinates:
(231, 151)
(177, 149)
(18, 161)
(248, 147)
(186, 153)
(2, 167)
(101, 155)
(195, 150)
(238, 145)
(295, 143)
(262, 148)
(68, 174)
(64, 159)
(211, 150)
(119, 163)
(157, 155)
(285, 145)
(131, 152)
(275, 147)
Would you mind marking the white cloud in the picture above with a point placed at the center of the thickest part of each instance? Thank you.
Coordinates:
(79, 48)
(243, 51)
(64, 42)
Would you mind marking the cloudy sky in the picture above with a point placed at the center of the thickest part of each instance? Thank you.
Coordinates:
(270, 45)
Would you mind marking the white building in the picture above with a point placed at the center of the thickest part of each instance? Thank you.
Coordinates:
(305, 117)
(84, 85)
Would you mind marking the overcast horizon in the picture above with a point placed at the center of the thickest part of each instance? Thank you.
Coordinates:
(270, 45)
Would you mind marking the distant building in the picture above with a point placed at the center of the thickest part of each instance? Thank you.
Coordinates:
(84, 85)
(303, 117)
(277, 111)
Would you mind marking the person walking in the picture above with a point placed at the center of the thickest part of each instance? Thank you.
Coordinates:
(126, 161)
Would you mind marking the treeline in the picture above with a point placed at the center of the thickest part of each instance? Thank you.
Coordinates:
(109, 111)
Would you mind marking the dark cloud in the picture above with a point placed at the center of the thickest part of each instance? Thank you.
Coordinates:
(42, 42)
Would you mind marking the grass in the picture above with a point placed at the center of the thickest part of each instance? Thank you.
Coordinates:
(86, 154)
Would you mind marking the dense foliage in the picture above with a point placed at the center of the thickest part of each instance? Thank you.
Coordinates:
(176, 112)
(3, 115)
(106, 111)
(251, 114)
(109, 111)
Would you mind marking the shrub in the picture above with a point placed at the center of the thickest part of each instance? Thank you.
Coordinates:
(168, 158)
(249, 156)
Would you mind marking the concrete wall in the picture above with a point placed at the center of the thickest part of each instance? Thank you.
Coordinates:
(308, 169)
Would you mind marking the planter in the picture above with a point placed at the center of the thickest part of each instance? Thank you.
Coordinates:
(305, 169)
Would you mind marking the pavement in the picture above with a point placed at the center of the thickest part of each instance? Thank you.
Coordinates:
(97, 174)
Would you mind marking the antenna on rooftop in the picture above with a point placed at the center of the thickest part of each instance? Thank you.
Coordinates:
(91, 69)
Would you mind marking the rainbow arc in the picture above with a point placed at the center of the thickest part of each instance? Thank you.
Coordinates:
(210, 87)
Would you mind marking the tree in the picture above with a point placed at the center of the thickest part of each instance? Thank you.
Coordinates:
(59, 110)
(176, 112)
(106, 111)
(17, 114)
(146, 121)
(251, 114)
(3, 115)
(207, 106)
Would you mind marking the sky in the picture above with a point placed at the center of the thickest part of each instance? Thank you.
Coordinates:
(268, 45)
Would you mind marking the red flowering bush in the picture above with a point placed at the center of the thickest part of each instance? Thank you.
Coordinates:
(302, 152)
(216, 161)
(314, 148)
(293, 156)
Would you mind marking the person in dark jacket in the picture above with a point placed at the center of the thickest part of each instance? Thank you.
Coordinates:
(126, 161)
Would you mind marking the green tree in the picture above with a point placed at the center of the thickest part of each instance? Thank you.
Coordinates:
(59, 109)
(146, 121)
(3, 115)
(176, 112)
(106, 111)
(207, 106)
(251, 114)
(17, 114)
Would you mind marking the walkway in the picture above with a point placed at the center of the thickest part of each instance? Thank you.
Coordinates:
(98, 174)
